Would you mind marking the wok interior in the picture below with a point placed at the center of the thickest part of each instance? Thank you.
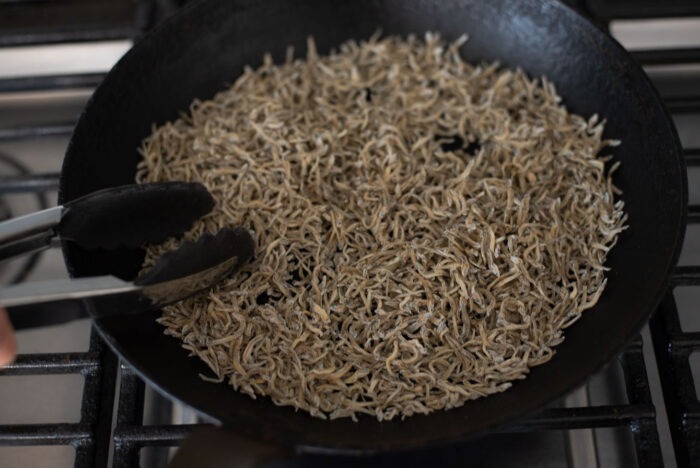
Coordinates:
(204, 49)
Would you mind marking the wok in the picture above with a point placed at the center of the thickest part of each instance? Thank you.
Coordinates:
(205, 46)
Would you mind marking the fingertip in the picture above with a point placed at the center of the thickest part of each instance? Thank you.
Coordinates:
(8, 352)
(8, 343)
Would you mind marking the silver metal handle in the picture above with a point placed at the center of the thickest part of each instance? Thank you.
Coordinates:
(32, 223)
(65, 289)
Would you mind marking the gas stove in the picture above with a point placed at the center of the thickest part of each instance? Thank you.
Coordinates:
(68, 401)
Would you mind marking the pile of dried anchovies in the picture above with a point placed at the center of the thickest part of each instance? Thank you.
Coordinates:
(426, 227)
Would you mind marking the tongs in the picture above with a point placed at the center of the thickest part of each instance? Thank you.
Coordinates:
(125, 216)
(128, 215)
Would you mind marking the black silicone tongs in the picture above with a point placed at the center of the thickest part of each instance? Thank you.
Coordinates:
(127, 215)
(177, 274)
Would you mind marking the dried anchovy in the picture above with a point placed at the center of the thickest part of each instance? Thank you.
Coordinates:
(426, 227)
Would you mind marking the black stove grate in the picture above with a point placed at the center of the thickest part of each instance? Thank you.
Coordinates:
(31, 22)
(91, 435)
(111, 424)
(673, 347)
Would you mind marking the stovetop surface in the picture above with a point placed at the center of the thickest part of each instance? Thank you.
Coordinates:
(68, 401)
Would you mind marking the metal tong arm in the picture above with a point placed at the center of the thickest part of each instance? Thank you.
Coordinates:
(40, 292)
(28, 233)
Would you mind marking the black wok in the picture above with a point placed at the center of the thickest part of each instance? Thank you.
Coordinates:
(203, 48)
